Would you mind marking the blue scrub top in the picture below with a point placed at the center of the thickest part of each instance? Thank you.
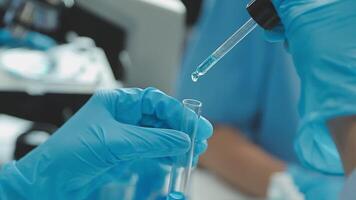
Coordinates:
(253, 88)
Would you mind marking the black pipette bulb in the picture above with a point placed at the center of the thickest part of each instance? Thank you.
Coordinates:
(264, 13)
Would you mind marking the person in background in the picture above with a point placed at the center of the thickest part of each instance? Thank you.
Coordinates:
(251, 98)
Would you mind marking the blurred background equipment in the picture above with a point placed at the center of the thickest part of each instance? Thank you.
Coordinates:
(11, 129)
(155, 33)
(144, 50)
(33, 137)
(43, 15)
(75, 63)
(19, 136)
(55, 54)
(49, 86)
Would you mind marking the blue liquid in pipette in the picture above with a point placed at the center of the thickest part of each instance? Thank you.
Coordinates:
(204, 67)
(223, 49)
(176, 196)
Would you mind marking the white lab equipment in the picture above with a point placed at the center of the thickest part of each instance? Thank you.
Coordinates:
(77, 67)
(155, 31)
(11, 127)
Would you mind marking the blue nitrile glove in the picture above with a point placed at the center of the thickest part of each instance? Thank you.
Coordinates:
(151, 179)
(321, 38)
(110, 131)
(315, 185)
(142, 180)
(31, 40)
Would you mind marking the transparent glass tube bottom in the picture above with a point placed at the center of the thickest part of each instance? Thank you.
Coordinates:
(181, 170)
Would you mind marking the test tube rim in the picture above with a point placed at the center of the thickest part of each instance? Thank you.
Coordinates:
(192, 103)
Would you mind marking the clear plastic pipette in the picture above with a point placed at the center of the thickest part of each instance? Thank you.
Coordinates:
(262, 12)
(219, 53)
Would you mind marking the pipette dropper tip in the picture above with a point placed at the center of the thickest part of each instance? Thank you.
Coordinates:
(195, 76)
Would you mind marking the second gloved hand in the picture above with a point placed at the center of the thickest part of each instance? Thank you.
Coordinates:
(111, 130)
(321, 38)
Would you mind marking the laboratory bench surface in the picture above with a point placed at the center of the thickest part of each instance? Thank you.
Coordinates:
(207, 186)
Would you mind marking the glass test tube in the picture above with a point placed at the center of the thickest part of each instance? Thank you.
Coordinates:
(181, 169)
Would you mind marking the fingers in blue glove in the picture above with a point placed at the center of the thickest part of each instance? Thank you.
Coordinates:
(204, 129)
(149, 107)
(128, 142)
(148, 119)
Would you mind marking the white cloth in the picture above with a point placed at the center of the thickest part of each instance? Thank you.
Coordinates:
(349, 191)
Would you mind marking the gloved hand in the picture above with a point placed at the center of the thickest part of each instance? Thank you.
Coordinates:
(112, 129)
(142, 179)
(146, 171)
(315, 185)
(321, 38)
(31, 40)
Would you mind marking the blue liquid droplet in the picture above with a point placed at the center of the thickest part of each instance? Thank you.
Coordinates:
(195, 76)
(176, 196)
